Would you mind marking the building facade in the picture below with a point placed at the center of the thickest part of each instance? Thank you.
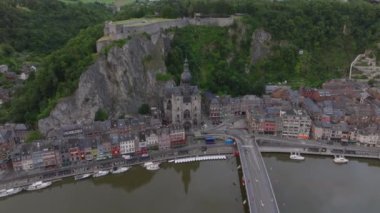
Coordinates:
(182, 104)
(296, 124)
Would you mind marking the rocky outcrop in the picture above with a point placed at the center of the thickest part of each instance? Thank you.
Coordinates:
(260, 45)
(119, 82)
(125, 77)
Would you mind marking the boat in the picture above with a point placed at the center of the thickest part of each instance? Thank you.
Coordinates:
(3, 193)
(100, 173)
(151, 166)
(81, 176)
(296, 156)
(119, 170)
(38, 185)
(9, 192)
(340, 159)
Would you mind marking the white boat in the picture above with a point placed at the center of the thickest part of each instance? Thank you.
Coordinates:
(296, 156)
(119, 170)
(100, 173)
(3, 193)
(81, 176)
(38, 185)
(340, 159)
(151, 166)
(9, 192)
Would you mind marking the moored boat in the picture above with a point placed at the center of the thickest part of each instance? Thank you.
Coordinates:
(9, 192)
(151, 166)
(100, 173)
(38, 185)
(340, 159)
(81, 176)
(296, 156)
(119, 170)
(3, 192)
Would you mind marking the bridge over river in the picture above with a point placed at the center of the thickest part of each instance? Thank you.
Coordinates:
(260, 194)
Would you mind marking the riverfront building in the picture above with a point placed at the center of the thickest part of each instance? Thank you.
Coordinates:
(342, 110)
(295, 124)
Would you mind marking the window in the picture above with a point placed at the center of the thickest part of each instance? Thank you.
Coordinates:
(186, 114)
(169, 105)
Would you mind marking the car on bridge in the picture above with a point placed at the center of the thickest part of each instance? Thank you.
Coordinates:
(209, 139)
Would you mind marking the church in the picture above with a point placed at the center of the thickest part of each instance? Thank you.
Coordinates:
(182, 104)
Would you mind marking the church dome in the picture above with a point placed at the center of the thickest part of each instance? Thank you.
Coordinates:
(186, 77)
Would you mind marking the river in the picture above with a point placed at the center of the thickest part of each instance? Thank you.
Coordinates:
(316, 185)
(195, 187)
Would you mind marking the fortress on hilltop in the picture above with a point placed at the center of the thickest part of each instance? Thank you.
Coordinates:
(124, 29)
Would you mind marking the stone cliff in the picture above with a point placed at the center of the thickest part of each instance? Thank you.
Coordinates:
(260, 45)
(119, 82)
(124, 77)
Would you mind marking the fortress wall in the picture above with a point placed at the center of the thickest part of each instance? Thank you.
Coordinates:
(119, 31)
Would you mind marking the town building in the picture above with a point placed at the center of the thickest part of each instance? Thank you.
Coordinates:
(164, 139)
(177, 136)
(128, 145)
(155, 118)
(369, 136)
(215, 111)
(151, 139)
(104, 149)
(295, 124)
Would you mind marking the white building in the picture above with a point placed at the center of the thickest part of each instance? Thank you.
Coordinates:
(23, 76)
(366, 137)
(151, 139)
(128, 145)
(27, 164)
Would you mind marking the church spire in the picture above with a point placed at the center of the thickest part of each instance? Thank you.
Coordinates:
(186, 75)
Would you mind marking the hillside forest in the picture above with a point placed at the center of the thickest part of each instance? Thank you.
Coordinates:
(311, 41)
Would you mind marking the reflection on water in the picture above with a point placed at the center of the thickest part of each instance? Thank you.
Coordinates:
(128, 180)
(186, 170)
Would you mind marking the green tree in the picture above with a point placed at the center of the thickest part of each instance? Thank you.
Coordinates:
(101, 115)
(144, 109)
(33, 136)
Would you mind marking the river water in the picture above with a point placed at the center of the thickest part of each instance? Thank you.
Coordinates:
(316, 185)
(194, 188)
